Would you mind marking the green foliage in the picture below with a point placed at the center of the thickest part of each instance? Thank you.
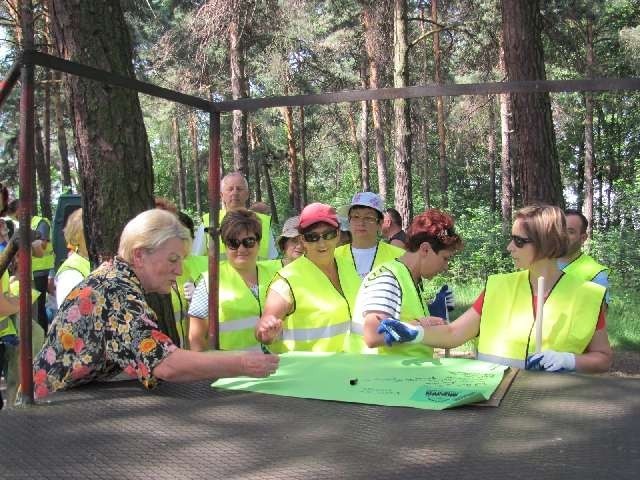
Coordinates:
(484, 250)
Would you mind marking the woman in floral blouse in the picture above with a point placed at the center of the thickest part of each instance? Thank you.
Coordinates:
(105, 326)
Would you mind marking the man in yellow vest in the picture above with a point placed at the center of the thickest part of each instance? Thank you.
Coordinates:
(234, 194)
(366, 251)
(578, 263)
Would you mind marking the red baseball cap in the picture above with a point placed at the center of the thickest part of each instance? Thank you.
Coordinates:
(318, 212)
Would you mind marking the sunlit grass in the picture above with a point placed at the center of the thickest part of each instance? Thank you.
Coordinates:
(623, 320)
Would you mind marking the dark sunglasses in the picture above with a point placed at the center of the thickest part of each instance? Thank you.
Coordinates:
(234, 243)
(315, 236)
(520, 241)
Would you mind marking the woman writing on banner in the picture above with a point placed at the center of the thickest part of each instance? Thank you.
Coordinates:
(306, 308)
(574, 335)
(243, 287)
(105, 325)
(394, 289)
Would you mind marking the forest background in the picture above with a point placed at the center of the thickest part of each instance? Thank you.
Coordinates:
(466, 154)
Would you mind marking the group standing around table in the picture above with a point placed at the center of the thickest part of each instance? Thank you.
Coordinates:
(366, 296)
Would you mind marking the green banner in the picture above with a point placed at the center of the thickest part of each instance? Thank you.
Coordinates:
(377, 379)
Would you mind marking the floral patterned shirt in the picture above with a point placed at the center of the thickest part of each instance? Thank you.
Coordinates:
(103, 327)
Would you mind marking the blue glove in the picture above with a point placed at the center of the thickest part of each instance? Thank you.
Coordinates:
(551, 361)
(443, 302)
(397, 331)
(11, 339)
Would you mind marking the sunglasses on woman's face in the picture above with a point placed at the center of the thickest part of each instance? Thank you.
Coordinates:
(520, 241)
(234, 243)
(315, 236)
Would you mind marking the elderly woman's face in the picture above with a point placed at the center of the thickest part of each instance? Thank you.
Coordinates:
(158, 269)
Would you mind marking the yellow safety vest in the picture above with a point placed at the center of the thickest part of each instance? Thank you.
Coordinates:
(412, 307)
(349, 278)
(585, 267)
(75, 261)
(6, 324)
(507, 330)
(265, 220)
(47, 261)
(239, 309)
(321, 316)
(193, 267)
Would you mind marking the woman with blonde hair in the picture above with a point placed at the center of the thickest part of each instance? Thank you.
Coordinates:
(76, 267)
(105, 326)
(574, 335)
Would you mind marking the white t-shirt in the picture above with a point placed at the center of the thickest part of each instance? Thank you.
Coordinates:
(364, 258)
(65, 282)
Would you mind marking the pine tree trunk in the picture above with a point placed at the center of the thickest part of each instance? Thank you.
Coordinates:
(423, 125)
(538, 168)
(292, 158)
(491, 153)
(303, 158)
(272, 198)
(61, 135)
(371, 20)
(402, 143)
(588, 136)
(506, 173)
(195, 160)
(238, 90)
(177, 148)
(364, 131)
(253, 148)
(116, 168)
(442, 140)
(43, 174)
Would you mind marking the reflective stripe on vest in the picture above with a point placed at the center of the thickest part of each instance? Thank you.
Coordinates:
(412, 307)
(507, 321)
(584, 267)
(265, 220)
(6, 324)
(47, 261)
(320, 321)
(76, 262)
(239, 310)
(349, 278)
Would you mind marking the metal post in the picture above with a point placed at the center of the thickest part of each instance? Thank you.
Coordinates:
(214, 215)
(24, 217)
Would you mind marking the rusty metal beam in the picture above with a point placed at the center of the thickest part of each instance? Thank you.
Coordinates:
(6, 85)
(73, 68)
(532, 86)
(213, 233)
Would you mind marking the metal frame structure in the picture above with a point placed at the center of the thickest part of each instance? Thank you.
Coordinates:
(23, 69)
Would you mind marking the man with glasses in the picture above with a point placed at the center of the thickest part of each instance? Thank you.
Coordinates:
(234, 193)
(366, 250)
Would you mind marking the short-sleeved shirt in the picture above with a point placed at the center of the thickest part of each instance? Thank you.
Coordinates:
(381, 293)
(104, 327)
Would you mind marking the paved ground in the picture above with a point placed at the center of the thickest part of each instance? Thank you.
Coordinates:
(548, 426)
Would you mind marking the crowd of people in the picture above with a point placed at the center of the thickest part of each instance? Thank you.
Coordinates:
(312, 288)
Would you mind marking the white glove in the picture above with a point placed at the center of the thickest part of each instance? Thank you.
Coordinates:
(189, 288)
(552, 361)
